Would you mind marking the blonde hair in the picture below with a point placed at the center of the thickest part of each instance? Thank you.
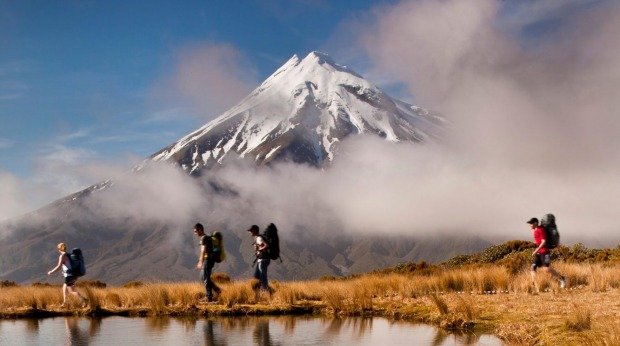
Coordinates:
(62, 247)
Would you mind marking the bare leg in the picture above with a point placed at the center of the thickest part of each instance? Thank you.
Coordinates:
(64, 294)
(556, 275)
(76, 293)
(533, 275)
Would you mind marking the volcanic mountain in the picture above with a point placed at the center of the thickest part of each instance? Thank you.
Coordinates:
(299, 114)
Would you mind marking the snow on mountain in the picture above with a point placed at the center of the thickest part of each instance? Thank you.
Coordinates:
(300, 113)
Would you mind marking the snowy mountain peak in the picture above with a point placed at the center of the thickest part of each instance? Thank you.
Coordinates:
(320, 57)
(300, 113)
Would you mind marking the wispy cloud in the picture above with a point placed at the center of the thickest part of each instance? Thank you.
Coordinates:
(168, 115)
(58, 172)
(78, 134)
(291, 9)
(12, 83)
(522, 14)
(211, 77)
(12, 89)
(6, 143)
(132, 136)
(12, 196)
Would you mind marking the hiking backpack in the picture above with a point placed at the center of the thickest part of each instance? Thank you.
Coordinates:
(217, 247)
(78, 267)
(552, 235)
(270, 236)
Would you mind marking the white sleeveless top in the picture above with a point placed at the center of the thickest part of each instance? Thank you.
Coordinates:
(66, 264)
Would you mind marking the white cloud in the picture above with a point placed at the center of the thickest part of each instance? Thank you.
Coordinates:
(553, 108)
(534, 122)
(380, 187)
(211, 76)
(63, 170)
(13, 194)
(159, 193)
(58, 171)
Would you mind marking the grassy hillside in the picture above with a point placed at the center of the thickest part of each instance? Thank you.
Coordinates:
(515, 256)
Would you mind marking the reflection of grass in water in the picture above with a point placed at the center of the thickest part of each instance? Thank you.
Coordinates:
(158, 324)
(335, 326)
(32, 325)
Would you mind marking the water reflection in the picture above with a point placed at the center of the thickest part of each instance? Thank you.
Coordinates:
(32, 325)
(211, 337)
(261, 334)
(289, 324)
(261, 331)
(158, 325)
(79, 336)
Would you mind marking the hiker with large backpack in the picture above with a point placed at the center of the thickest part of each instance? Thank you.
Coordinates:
(545, 238)
(266, 248)
(261, 259)
(211, 252)
(72, 267)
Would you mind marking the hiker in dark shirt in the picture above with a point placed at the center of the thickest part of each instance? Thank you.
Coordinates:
(64, 262)
(542, 254)
(205, 261)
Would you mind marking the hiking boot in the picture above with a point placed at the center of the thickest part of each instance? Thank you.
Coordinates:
(562, 283)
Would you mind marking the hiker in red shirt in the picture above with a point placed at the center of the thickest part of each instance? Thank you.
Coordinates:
(542, 255)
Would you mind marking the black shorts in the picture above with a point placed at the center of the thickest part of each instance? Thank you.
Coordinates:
(541, 260)
(70, 280)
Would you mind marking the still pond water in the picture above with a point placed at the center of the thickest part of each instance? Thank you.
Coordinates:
(265, 331)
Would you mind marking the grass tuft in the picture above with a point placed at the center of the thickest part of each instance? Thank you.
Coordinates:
(439, 303)
(580, 320)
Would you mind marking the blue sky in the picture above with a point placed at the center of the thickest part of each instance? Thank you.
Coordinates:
(89, 85)
(80, 75)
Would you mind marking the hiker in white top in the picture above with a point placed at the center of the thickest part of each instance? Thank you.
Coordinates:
(64, 262)
(262, 260)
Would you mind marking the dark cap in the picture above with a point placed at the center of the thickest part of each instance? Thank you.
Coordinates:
(533, 221)
(253, 228)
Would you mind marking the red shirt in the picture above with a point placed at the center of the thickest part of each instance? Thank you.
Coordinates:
(539, 236)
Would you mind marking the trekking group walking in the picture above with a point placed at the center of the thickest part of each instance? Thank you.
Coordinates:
(266, 247)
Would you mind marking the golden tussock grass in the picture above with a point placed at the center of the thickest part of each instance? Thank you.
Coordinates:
(440, 304)
(579, 320)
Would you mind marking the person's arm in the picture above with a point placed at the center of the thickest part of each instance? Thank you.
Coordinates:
(57, 266)
(201, 257)
(542, 244)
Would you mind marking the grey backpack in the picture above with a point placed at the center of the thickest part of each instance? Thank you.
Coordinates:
(551, 231)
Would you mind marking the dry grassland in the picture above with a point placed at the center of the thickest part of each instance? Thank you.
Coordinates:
(480, 298)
